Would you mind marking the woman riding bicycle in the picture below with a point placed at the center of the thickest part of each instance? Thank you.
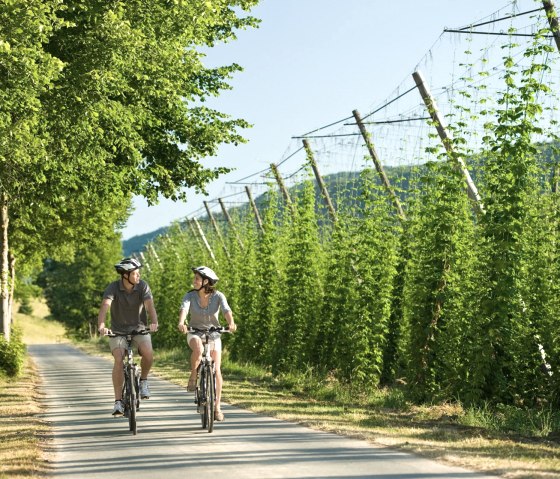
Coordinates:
(204, 303)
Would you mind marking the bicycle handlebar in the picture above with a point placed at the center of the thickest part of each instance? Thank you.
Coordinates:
(111, 334)
(212, 329)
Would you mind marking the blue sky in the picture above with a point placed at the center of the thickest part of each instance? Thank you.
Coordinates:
(311, 63)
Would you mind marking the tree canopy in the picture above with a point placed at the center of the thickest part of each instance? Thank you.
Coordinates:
(102, 101)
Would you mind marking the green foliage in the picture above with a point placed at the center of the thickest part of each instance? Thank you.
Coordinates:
(264, 285)
(25, 307)
(12, 353)
(538, 422)
(437, 291)
(101, 101)
(459, 304)
(245, 298)
(301, 298)
(506, 335)
(74, 289)
(169, 276)
(362, 266)
(25, 291)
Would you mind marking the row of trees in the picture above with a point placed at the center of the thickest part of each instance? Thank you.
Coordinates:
(100, 101)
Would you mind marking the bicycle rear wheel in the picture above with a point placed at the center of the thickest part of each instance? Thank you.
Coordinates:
(131, 400)
(210, 397)
(137, 386)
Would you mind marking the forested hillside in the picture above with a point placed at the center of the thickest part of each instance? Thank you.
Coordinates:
(344, 189)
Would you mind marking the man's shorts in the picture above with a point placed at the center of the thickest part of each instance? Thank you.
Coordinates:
(137, 341)
(213, 344)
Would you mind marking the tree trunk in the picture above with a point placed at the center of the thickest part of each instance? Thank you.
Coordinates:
(11, 288)
(4, 270)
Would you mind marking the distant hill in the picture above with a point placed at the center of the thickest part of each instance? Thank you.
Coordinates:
(343, 188)
(137, 243)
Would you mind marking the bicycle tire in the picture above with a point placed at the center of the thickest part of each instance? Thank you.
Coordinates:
(210, 397)
(202, 399)
(131, 400)
(137, 386)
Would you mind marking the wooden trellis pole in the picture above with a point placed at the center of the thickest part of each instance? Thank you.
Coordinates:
(446, 137)
(282, 186)
(204, 240)
(552, 20)
(254, 207)
(230, 222)
(216, 229)
(195, 233)
(144, 262)
(166, 239)
(319, 178)
(153, 251)
(378, 165)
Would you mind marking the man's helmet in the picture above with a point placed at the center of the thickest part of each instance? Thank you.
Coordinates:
(206, 273)
(127, 265)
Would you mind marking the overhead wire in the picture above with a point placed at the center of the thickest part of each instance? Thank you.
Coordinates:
(447, 89)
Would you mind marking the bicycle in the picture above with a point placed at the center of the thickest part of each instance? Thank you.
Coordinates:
(205, 390)
(131, 386)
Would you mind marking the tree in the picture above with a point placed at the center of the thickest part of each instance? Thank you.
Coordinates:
(26, 71)
(74, 289)
(101, 101)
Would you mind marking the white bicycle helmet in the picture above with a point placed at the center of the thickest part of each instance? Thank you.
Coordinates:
(206, 273)
(127, 265)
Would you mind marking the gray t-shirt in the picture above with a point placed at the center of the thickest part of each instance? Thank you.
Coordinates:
(127, 309)
(203, 318)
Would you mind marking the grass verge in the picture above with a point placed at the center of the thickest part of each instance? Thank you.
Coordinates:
(23, 432)
(24, 435)
(446, 433)
(474, 439)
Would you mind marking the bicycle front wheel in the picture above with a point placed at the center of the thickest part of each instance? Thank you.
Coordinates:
(202, 398)
(210, 397)
(131, 400)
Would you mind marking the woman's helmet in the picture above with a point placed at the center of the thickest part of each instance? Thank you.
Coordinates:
(206, 273)
(127, 265)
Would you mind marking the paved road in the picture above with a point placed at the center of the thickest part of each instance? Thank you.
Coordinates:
(91, 444)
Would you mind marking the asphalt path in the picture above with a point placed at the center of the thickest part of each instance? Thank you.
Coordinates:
(89, 443)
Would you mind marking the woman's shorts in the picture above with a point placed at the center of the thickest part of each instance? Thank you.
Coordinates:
(213, 344)
(138, 340)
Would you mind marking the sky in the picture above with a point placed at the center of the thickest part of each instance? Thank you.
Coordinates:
(310, 63)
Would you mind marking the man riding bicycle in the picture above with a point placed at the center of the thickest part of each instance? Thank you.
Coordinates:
(204, 303)
(128, 299)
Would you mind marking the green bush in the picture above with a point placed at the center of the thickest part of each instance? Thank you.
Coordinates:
(12, 353)
(25, 307)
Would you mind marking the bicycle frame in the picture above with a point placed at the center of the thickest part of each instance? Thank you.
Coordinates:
(206, 386)
(131, 384)
(205, 391)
